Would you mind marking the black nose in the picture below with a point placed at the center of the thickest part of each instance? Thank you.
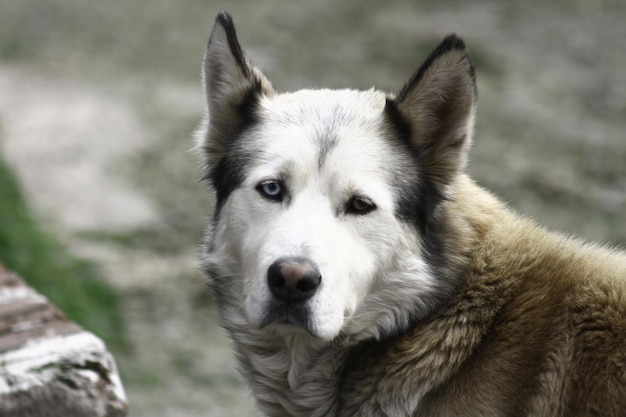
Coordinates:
(293, 279)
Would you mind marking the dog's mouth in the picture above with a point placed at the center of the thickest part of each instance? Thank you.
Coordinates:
(289, 317)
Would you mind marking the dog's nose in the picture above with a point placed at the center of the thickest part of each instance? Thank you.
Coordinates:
(293, 279)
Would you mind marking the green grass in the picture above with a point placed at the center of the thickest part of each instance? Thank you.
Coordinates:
(72, 284)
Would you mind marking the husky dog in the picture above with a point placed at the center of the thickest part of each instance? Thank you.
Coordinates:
(360, 272)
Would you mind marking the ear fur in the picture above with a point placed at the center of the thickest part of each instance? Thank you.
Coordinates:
(437, 106)
(232, 85)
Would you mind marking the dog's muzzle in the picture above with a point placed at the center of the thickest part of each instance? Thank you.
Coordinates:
(293, 280)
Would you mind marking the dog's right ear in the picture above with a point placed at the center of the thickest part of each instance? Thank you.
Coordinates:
(232, 85)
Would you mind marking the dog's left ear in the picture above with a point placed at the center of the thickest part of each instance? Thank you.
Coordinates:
(436, 109)
(233, 88)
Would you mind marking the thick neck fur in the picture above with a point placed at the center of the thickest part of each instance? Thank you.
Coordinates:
(292, 375)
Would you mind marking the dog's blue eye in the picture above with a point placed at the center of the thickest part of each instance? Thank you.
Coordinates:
(271, 189)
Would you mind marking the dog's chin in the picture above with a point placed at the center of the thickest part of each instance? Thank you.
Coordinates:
(286, 328)
(287, 319)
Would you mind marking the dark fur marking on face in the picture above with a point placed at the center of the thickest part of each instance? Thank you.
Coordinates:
(327, 137)
(418, 199)
(326, 141)
(230, 169)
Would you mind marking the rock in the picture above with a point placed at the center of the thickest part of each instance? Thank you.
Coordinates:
(49, 366)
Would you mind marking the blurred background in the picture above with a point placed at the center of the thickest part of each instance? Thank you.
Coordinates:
(99, 204)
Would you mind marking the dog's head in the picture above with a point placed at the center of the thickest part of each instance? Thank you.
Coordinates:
(326, 217)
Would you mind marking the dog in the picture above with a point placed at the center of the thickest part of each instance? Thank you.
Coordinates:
(360, 272)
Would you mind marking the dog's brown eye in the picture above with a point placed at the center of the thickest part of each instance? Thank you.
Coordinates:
(359, 205)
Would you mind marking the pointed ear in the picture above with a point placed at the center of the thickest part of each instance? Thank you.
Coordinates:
(436, 108)
(233, 88)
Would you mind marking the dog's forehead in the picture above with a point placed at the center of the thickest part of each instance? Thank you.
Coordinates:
(323, 122)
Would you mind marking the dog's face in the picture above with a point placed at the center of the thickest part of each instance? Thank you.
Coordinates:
(327, 199)
(316, 197)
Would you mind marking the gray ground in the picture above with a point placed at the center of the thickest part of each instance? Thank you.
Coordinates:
(98, 101)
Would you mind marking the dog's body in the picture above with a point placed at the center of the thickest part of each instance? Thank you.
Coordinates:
(360, 272)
